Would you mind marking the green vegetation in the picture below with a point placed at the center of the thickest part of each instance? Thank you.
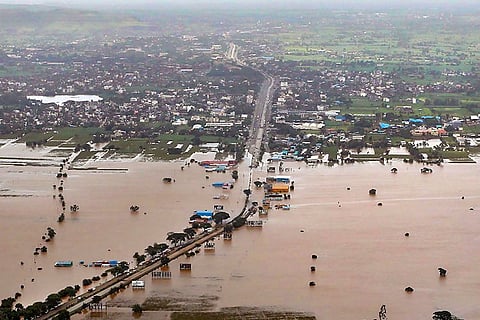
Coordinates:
(63, 136)
(413, 49)
(9, 311)
(189, 308)
(338, 125)
(16, 71)
(79, 135)
(85, 155)
(16, 23)
(238, 313)
(331, 151)
(136, 308)
(475, 129)
(9, 136)
(163, 147)
(171, 303)
(63, 315)
(166, 146)
(388, 41)
(445, 154)
(36, 137)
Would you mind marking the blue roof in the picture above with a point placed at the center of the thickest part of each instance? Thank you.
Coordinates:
(204, 213)
(412, 120)
(384, 125)
(218, 184)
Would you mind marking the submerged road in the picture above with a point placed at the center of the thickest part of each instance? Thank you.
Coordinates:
(81, 301)
(258, 128)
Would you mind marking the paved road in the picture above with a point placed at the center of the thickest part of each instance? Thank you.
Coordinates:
(260, 120)
(261, 114)
(257, 136)
(103, 290)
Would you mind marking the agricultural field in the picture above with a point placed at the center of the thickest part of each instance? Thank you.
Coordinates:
(163, 147)
(390, 41)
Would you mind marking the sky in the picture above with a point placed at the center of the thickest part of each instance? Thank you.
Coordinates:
(145, 4)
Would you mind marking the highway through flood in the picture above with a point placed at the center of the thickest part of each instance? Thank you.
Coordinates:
(82, 301)
(254, 146)
(261, 114)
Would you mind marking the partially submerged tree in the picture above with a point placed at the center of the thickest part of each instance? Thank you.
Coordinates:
(444, 315)
(136, 308)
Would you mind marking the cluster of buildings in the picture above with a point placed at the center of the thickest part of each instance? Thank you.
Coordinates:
(337, 95)
(320, 106)
(147, 85)
(183, 84)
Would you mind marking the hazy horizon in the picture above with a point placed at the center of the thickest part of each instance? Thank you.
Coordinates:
(252, 4)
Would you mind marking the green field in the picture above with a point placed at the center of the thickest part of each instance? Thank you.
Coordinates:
(74, 136)
(156, 149)
(16, 71)
(386, 41)
(159, 148)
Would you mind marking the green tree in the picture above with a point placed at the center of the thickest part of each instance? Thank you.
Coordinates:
(63, 315)
(50, 232)
(444, 315)
(121, 267)
(220, 216)
(36, 309)
(67, 292)
(7, 303)
(136, 308)
(96, 299)
(196, 140)
(190, 232)
(176, 237)
(9, 314)
(53, 300)
(139, 258)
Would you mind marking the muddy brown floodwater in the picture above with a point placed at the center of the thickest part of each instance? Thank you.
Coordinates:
(364, 258)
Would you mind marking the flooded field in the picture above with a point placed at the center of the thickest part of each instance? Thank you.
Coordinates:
(103, 228)
(364, 258)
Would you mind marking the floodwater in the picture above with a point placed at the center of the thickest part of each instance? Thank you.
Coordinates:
(103, 228)
(364, 258)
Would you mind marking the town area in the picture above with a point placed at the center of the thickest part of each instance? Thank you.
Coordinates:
(165, 96)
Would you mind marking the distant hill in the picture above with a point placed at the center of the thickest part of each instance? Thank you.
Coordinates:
(28, 20)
